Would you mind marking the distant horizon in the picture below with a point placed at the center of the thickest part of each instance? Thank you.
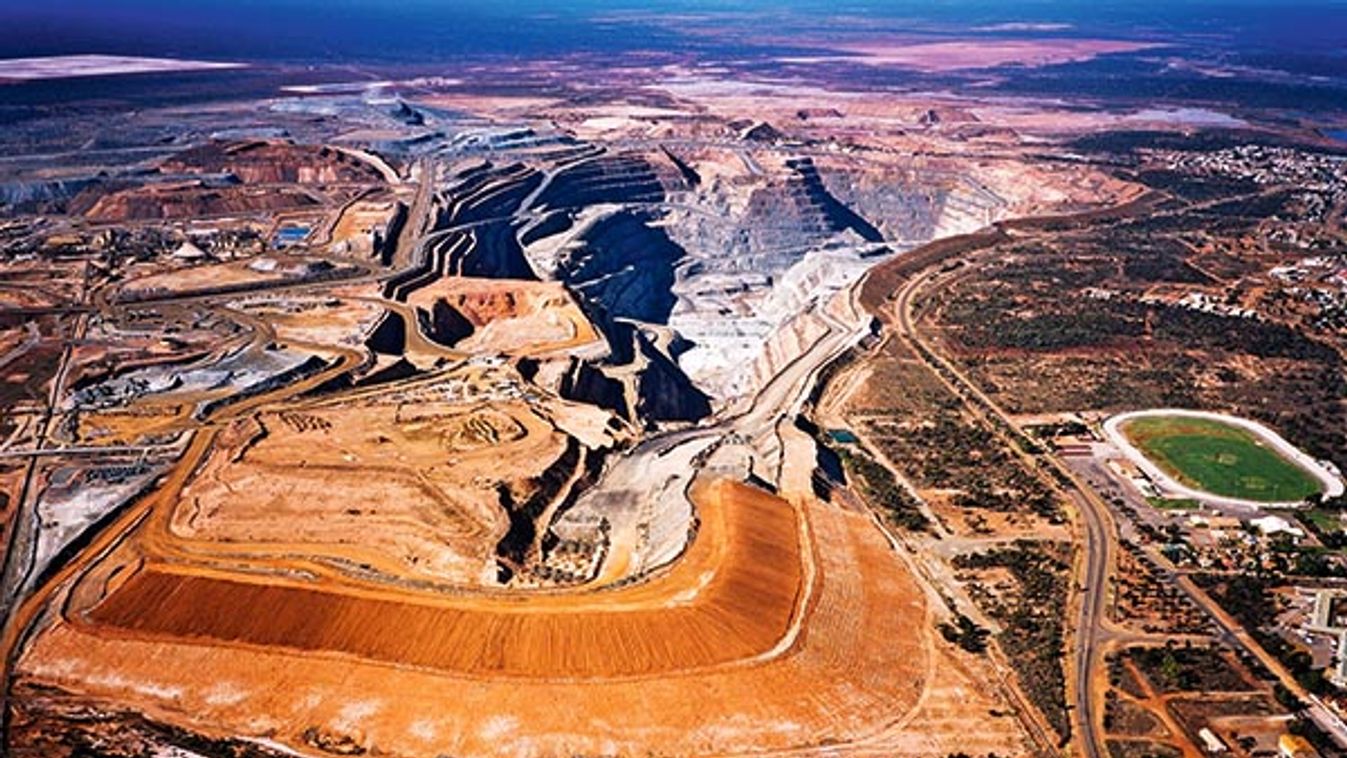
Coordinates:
(429, 30)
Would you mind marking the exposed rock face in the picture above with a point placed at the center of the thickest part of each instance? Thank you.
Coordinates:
(446, 324)
(722, 248)
(795, 211)
(488, 251)
(513, 548)
(407, 114)
(489, 191)
(505, 316)
(762, 132)
(389, 336)
(689, 175)
(916, 206)
(839, 216)
(588, 383)
(624, 265)
(40, 196)
(664, 392)
(609, 179)
(641, 382)
(484, 204)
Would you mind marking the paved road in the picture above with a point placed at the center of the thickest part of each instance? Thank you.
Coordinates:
(1097, 544)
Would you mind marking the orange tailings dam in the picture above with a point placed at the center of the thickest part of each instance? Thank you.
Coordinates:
(785, 625)
(731, 598)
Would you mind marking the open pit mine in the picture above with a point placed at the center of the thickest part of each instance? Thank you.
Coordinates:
(472, 430)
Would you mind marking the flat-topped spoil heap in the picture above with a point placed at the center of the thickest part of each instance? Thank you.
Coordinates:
(275, 162)
(732, 597)
(317, 483)
(782, 626)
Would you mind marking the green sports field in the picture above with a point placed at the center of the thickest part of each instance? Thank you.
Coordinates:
(1219, 458)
